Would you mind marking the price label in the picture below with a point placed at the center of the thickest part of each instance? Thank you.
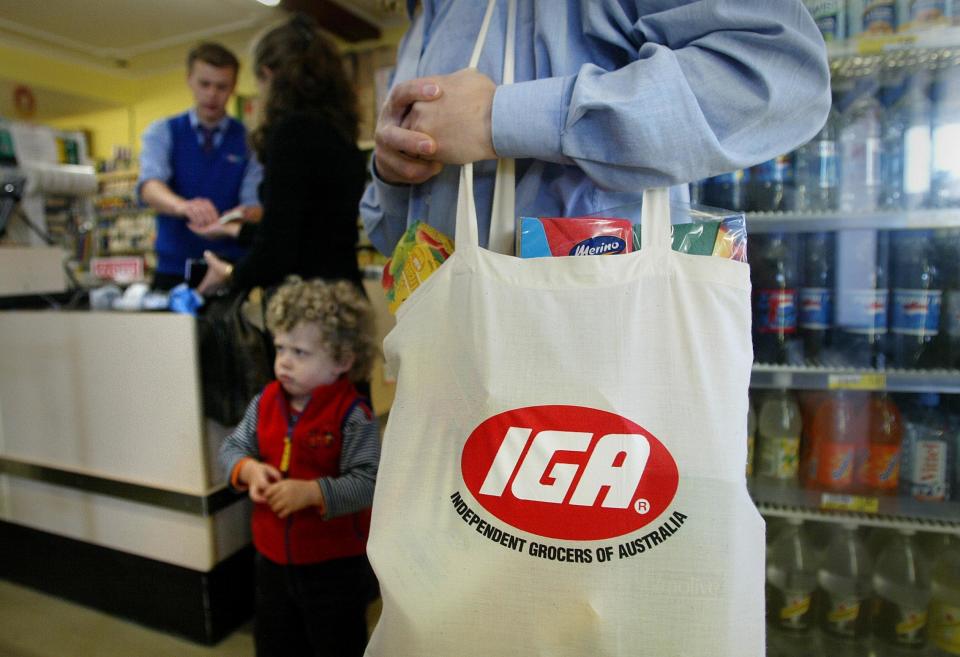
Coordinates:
(871, 381)
(875, 45)
(857, 503)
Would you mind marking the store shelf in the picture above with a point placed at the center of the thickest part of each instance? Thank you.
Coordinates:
(831, 378)
(768, 222)
(891, 512)
(932, 39)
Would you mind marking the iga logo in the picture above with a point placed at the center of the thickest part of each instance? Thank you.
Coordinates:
(569, 472)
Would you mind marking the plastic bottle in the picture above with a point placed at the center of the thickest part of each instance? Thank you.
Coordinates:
(913, 15)
(907, 131)
(775, 277)
(859, 138)
(778, 434)
(927, 453)
(817, 170)
(944, 619)
(771, 185)
(845, 592)
(949, 244)
(727, 191)
(816, 296)
(840, 431)
(751, 437)
(862, 297)
(871, 17)
(946, 135)
(791, 581)
(880, 474)
(809, 401)
(901, 584)
(916, 299)
(830, 17)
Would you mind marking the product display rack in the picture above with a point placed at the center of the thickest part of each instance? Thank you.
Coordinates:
(795, 500)
(805, 222)
(769, 377)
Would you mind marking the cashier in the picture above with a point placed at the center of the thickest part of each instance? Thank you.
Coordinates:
(196, 167)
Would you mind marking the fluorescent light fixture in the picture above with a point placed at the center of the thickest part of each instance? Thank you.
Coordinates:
(269, 3)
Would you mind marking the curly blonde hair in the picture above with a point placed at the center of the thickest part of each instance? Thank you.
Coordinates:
(338, 309)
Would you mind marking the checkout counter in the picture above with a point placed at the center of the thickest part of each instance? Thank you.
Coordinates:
(110, 493)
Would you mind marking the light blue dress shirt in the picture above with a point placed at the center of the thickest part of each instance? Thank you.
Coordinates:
(155, 156)
(612, 97)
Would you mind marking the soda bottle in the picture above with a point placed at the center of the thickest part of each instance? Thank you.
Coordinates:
(751, 437)
(817, 170)
(949, 243)
(907, 133)
(901, 584)
(816, 296)
(944, 620)
(926, 468)
(727, 191)
(839, 429)
(915, 300)
(809, 401)
(862, 296)
(771, 185)
(791, 581)
(859, 138)
(880, 473)
(778, 428)
(946, 134)
(774, 272)
(845, 591)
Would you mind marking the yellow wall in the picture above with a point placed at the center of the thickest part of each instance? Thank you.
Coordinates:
(141, 100)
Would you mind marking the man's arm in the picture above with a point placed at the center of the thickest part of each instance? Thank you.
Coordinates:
(713, 86)
(155, 174)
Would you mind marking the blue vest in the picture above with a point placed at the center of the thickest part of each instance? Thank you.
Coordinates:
(216, 176)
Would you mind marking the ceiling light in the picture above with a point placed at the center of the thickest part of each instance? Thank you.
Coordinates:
(269, 3)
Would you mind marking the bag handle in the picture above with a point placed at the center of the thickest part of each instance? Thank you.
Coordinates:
(501, 236)
(654, 217)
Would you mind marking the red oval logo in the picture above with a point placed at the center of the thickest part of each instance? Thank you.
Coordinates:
(569, 472)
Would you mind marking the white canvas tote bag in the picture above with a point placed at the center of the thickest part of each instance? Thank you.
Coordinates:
(563, 468)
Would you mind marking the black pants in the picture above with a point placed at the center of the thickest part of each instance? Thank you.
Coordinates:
(317, 610)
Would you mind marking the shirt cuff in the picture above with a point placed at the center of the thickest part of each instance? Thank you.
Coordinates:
(393, 198)
(235, 474)
(527, 119)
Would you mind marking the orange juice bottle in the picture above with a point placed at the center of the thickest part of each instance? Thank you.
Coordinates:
(839, 429)
(880, 471)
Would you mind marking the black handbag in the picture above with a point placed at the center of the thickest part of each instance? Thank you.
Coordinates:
(236, 357)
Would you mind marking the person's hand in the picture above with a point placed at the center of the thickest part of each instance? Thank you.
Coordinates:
(199, 212)
(218, 273)
(291, 495)
(459, 120)
(216, 230)
(258, 477)
(400, 154)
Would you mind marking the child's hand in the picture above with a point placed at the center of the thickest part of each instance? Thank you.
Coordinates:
(258, 477)
(291, 495)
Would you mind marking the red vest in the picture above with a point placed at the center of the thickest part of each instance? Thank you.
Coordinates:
(305, 537)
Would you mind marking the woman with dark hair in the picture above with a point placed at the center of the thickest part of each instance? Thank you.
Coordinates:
(313, 171)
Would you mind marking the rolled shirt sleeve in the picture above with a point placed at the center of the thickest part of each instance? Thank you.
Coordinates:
(716, 85)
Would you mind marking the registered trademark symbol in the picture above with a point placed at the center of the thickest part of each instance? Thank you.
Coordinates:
(641, 506)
